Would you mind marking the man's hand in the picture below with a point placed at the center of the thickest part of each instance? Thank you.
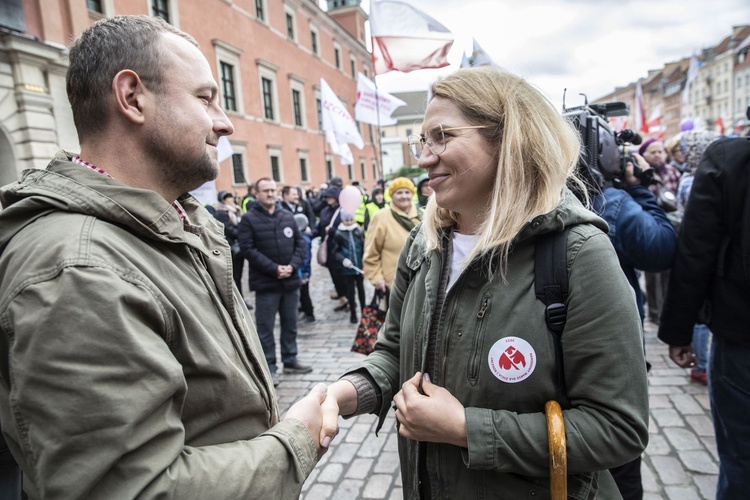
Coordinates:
(284, 271)
(683, 355)
(435, 416)
(309, 411)
(340, 400)
(630, 179)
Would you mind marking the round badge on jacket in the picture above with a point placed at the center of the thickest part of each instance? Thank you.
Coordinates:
(288, 232)
(512, 359)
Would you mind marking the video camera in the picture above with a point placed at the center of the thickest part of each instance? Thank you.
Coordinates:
(604, 155)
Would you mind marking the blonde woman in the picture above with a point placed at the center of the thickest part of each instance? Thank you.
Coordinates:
(465, 356)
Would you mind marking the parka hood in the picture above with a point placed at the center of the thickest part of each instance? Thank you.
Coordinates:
(59, 188)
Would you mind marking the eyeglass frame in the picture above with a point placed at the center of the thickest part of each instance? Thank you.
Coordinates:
(413, 139)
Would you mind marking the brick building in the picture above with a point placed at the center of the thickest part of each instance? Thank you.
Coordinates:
(268, 57)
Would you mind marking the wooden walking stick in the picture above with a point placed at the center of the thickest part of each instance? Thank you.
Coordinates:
(558, 463)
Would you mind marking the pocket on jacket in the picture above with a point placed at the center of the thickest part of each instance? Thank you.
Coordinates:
(477, 341)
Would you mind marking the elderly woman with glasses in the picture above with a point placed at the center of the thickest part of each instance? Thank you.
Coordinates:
(465, 356)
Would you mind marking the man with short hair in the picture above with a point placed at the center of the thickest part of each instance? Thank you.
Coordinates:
(129, 366)
(274, 247)
(290, 200)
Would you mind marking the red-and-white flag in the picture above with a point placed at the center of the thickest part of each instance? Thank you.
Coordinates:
(338, 125)
(640, 112)
(373, 105)
(719, 123)
(655, 128)
(405, 39)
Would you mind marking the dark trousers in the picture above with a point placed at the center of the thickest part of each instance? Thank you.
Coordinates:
(628, 480)
(267, 304)
(238, 262)
(339, 283)
(353, 282)
(305, 302)
(656, 288)
(10, 474)
(729, 391)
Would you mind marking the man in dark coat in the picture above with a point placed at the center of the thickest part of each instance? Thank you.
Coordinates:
(274, 247)
(713, 265)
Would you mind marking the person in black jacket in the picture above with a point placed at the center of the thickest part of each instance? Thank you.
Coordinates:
(713, 263)
(274, 248)
(228, 213)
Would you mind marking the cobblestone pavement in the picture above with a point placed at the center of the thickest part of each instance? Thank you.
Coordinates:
(680, 462)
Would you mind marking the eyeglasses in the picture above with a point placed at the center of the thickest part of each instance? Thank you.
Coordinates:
(434, 139)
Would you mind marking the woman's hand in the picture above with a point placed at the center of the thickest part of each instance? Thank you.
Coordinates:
(435, 416)
(381, 285)
(341, 399)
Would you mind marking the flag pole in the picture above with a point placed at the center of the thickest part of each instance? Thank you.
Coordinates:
(379, 154)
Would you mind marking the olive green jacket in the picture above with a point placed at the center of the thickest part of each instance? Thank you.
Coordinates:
(128, 365)
(484, 324)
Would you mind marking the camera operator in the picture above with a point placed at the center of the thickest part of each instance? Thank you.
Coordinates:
(644, 239)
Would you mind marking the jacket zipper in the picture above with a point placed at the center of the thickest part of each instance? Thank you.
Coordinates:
(477, 341)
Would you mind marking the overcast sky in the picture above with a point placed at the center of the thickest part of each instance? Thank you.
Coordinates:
(588, 46)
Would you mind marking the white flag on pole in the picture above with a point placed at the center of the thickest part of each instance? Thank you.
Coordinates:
(224, 148)
(372, 102)
(338, 125)
(479, 57)
(405, 38)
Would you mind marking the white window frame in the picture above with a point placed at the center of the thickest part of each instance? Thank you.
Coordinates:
(288, 11)
(303, 154)
(174, 13)
(108, 9)
(264, 6)
(315, 50)
(268, 71)
(275, 151)
(298, 84)
(239, 148)
(337, 48)
(230, 55)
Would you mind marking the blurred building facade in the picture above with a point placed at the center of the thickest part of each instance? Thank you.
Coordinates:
(394, 138)
(717, 98)
(268, 57)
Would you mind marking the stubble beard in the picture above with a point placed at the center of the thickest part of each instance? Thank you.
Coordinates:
(178, 169)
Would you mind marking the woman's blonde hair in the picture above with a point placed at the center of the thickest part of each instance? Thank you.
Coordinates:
(536, 151)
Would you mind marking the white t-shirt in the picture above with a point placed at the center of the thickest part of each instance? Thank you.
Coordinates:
(463, 245)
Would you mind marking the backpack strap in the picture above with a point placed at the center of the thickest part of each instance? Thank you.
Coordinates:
(551, 287)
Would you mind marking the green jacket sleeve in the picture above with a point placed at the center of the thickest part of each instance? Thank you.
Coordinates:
(98, 414)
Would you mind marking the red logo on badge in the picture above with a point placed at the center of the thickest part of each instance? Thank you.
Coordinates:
(512, 359)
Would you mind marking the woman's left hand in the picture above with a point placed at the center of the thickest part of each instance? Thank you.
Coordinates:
(435, 416)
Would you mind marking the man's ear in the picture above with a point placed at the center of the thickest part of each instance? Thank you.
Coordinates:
(129, 95)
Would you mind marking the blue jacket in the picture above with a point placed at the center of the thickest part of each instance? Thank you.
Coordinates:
(305, 269)
(639, 230)
(347, 243)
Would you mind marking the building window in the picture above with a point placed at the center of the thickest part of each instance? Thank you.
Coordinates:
(95, 5)
(297, 107)
(238, 169)
(369, 129)
(337, 57)
(374, 169)
(267, 98)
(230, 80)
(290, 26)
(329, 165)
(353, 63)
(275, 167)
(160, 8)
(260, 11)
(304, 174)
(319, 111)
(227, 86)
(314, 41)
(349, 172)
(362, 168)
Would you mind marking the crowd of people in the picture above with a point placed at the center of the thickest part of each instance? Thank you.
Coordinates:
(129, 367)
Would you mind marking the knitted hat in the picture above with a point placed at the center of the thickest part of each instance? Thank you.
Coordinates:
(401, 183)
(694, 144)
(346, 216)
(223, 194)
(646, 144)
(332, 192)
